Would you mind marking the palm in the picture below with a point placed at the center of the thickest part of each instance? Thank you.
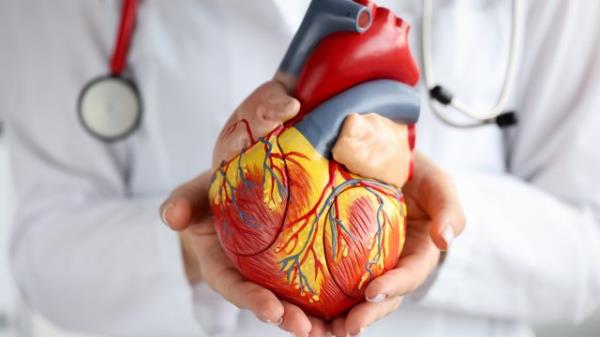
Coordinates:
(432, 205)
(190, 214)
(206, 246)
(419, 224)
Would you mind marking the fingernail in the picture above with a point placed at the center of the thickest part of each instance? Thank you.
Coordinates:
(287, 107)
(359, 333)
(280, 99)
(163, 215)
(268, 321)
(276, 323)
(295, 335)
(448, 236)
(288, 101)
(377, 298)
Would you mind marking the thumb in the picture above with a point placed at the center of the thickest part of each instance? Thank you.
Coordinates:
(439, 199)
(443, 204)
(447, 224)
(187, 204)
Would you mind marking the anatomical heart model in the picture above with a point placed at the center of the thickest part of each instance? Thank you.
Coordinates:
(290, 217)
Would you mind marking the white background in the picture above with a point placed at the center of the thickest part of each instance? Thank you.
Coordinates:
(21, 323)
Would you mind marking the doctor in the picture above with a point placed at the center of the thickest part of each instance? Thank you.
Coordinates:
(91, 254)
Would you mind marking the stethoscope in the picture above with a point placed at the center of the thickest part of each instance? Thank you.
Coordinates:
(440, 96)
(110, 107)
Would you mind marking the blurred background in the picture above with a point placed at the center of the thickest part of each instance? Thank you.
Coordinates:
(17, 320)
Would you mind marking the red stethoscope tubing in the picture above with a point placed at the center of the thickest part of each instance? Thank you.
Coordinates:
(127, 26)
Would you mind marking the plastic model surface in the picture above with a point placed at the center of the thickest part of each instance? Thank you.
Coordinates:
(289, 216)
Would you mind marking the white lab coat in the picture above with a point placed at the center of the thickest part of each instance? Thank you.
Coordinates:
(90, 252)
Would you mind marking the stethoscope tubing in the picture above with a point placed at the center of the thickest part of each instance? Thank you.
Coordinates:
(436, 104)
(129, 10)
(118, 61)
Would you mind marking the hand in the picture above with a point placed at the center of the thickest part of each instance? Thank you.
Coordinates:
(373, 146)
(187, 211)
(434, 219)
(266, 109)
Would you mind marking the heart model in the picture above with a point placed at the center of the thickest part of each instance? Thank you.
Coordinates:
(289, 217)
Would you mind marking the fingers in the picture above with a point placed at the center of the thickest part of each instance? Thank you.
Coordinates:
(176, 213)
(295, 320)
(365, 314)
(187, 203)
(299, 324)
(355, 126)
(436, 195)
(318, 327)
(279, 109)
(362, 316)
(448, 220)
(338, 327)
(412, 271)
(446, 226)
(218, 272)
(267, 108)
(227, 281)
(373, 146)
(287, 80)
(249, 296)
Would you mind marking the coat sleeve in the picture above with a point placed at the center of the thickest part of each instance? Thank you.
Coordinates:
(531, 249)
(103, 266)
(86, 252)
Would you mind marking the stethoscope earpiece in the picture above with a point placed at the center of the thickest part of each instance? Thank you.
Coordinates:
(441, 95)
(445, 97)
(507, 119)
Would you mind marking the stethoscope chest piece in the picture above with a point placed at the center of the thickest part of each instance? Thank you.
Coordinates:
(110, 108)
